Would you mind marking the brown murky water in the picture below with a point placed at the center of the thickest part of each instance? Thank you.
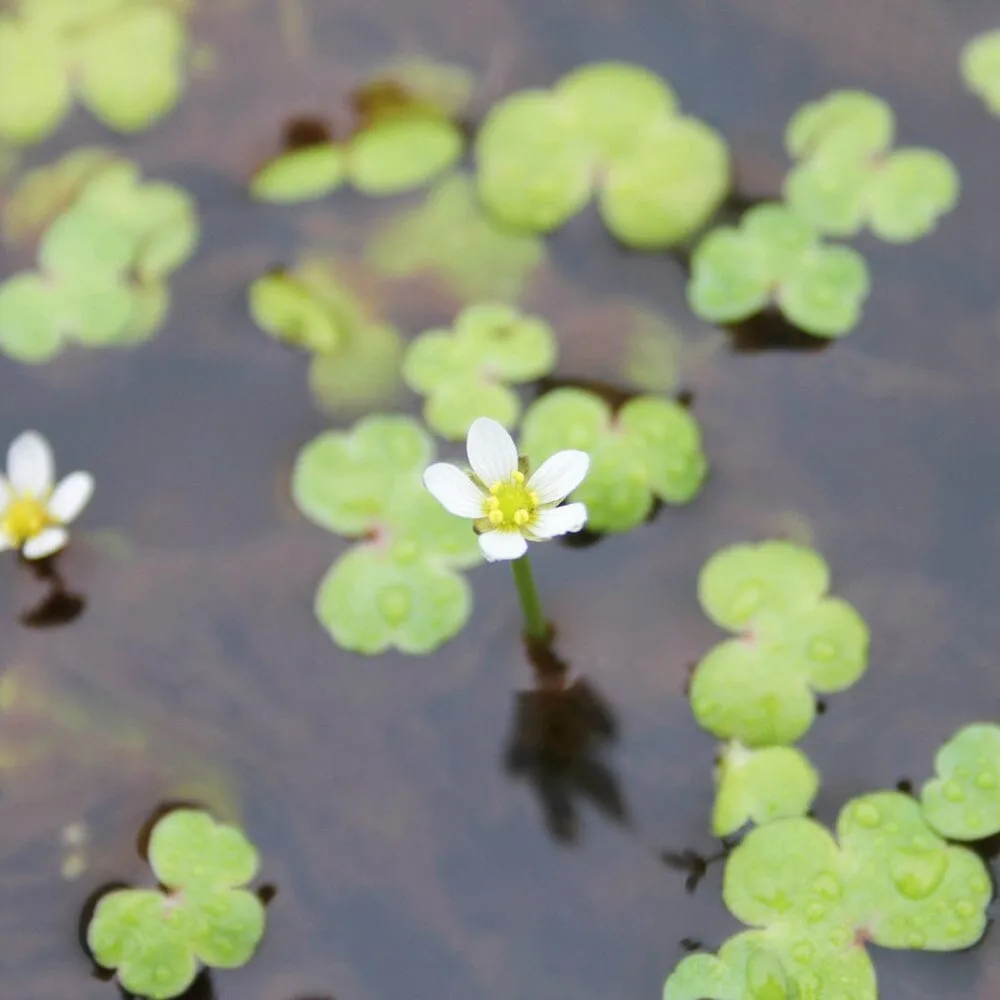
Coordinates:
(408, 860)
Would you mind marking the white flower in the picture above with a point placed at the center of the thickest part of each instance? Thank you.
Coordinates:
(33, 509)
(508, 511)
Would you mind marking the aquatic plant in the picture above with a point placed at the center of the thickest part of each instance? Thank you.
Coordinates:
(407, 135)
(980, 68)
(847, 176)
(887, 878)
(776, 259)
(650, 449)
(122, 59)
(398, 587)
(466, 372)
(356, 356)
(962, 800)
(760, 786)
(200, 914)
(608, 128)
(450, 237)
(793, 640)
(34, 509)
(103, 259)
(509, 505)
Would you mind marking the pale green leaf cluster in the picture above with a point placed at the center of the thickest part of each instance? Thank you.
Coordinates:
(962, 801)
(815, 900)
(648, 450)
(610, 129)
(398, 587)
(793, 641)
(776, 259)
(157, 939)
(122, 59)
(107, 242)
(355, 356)
(407, 136)
(451, 237)
(980, 67)
(847, 175)
(466, 372)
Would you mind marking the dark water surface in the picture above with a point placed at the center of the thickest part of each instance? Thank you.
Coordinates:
(408, 861)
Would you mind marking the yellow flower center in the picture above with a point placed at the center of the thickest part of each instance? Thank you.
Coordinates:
(23, 518)
(511, 505)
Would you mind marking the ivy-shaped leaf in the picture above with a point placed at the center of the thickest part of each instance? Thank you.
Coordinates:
(156, 940)
(793, 641)
(890, 880)
(760, 786)
(612, 128)
(774, 258)
(465, 372)
(962, 801)
(398, 589)
(980, 67)
(651, 448)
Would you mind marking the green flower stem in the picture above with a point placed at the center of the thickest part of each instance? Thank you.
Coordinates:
(534, 618)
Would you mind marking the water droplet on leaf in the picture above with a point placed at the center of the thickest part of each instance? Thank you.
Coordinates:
(867, 815)
(916, 874)
(952, 791)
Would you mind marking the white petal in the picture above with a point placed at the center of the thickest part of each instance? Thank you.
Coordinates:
(30, 467)
(492, 452)
(454, 490)
(497, 545)
(45, 543)
(5, 493)
(559, 520)
(70, 497)
(559, 475)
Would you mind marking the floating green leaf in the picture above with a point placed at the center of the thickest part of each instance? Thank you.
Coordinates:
(760, 786)
(667, 186)
(980, 67)
(364, 370)
(891, 880)
(847, 177)
(962, 801)
(373, 599)
(794, 641)
(611, 127)
(156, 940)
(399, 590)
(30, 329)
(35, 93)
(300, 175)
(450, 235)
(776, 258)
(445, 87)
(650, 449)
(402, 152)
(464, 372)
(290, 311)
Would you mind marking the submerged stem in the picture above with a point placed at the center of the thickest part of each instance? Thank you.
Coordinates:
(534, 618)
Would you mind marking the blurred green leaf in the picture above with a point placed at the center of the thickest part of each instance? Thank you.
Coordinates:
(980, 68)
(300, 175)
(35, 93)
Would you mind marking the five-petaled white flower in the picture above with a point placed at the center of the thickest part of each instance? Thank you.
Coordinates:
(33, 509)
(509, 510)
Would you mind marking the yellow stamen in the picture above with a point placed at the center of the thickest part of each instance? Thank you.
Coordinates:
(23, 518)
(495, 488)
(496, 516)
(511, 506)
(518, 476)
(521, 517)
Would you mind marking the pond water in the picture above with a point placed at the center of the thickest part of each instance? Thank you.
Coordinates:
(410, 855)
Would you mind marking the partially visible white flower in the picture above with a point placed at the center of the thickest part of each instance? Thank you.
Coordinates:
(34, 511)
(509, 511)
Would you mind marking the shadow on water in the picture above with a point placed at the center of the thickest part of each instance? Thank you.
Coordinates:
(561, 731)
(59, 605)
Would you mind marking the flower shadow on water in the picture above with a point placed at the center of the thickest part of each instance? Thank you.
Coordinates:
(59, 605)
(561, 730)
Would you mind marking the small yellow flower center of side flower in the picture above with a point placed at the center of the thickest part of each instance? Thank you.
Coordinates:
(23, 518)
(511, 506)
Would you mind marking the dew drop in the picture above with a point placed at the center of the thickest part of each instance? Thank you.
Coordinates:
(916, 874)
(952, 791)
(405, 552)
(892, 828)
(915, 940)
(840, 937)
(965, 909)
(827, 886)
(953, 929)
(394, 603)
(821, 648)
(815, 912)
(973, 819)
(161, 974)
(803, 952)
(986, 780)
(765, 977)
(978, 884)
(867, 815)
